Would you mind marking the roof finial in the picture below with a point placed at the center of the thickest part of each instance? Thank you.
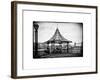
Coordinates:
(57, 26)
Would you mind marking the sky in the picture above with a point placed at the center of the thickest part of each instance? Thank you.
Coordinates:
(70, 31)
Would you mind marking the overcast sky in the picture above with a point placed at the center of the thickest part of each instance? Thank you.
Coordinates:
(70, 31)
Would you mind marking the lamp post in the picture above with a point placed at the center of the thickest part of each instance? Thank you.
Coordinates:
(36, 26)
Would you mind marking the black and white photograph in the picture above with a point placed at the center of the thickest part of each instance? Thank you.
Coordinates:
(53, 39)
(57, 39)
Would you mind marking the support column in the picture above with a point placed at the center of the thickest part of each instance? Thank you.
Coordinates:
(67, 47)
(60, 47)
(48, 47)
(36, 26)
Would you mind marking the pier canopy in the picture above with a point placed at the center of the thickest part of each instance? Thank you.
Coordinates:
(57, 38)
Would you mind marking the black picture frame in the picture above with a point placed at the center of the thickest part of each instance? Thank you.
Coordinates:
(14, 38)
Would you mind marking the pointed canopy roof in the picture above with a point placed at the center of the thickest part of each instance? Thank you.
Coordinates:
(58, 37)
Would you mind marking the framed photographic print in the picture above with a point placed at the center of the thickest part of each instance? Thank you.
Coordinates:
(49, 39)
